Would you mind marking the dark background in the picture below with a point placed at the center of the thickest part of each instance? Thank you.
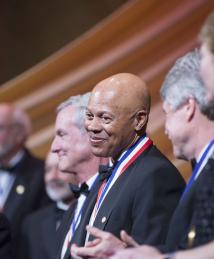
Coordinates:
(31, 30)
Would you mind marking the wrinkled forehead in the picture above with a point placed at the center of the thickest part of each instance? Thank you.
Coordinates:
(102, 97)
(101, 102)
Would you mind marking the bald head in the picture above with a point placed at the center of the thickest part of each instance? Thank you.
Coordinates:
(128, 90)
(14, 129)
(117, 113)
(12, 114)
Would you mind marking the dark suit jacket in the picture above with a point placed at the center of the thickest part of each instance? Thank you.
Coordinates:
(203, 208)
(39, 234)
(30, 176)
(183, 215)
(143, 199)
(5, 238)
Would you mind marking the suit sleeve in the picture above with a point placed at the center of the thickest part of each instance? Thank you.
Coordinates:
(155, 203)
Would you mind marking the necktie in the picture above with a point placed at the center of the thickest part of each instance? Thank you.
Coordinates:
(78, 190)
(105, 172)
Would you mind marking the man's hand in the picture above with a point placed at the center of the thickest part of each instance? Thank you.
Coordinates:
(128, 240)
(103, 246)
(145, 252)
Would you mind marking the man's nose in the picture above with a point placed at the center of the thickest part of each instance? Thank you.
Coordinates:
(93, 125)
(55, 145)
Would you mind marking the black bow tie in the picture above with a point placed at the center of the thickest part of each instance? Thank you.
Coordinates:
(105, 172)
(78, 190)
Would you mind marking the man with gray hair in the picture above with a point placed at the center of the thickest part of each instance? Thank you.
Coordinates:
(71, 143)
(190, 130)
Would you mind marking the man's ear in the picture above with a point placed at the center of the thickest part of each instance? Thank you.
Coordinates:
(190, 108)
(141, 119)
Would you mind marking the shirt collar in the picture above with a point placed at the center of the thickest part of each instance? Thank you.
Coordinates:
(17, 158)
(61, 205)
(203, 150)
(91, 181)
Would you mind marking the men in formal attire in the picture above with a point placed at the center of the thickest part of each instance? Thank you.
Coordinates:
(5, 238)
(190, 129)
(39, 228)
(21, 175)
(71, 143)
(144, 188)
(191, 132)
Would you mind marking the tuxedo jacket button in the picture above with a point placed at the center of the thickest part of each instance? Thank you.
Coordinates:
(20, 189)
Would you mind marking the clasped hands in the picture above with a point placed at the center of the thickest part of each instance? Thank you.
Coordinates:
(103, 246)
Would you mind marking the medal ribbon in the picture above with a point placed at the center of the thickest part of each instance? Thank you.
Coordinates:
(75, 222)
(127, 159)
(199, 166)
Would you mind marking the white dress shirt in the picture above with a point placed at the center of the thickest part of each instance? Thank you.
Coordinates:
(77, 215)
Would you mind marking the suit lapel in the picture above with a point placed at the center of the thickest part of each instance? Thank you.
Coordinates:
(18, 189)
(181, 219)
(16, 196)
(80, 233)
(109, 203)
(111, 199)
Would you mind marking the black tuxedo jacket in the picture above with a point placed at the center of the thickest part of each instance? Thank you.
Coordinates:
(143, 199)
(184, 214)
(5, 238)
(80, 233)
(203, 209)
(29, 174)
(38, 239)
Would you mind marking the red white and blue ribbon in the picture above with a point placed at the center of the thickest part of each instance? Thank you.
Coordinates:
(127, 158)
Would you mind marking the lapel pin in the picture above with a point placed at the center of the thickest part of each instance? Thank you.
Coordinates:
(103, 220)
(191, 237)
(20, 189)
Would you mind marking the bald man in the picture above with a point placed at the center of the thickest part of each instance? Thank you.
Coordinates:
(203, 204)
(143, 189)
(22, 188)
